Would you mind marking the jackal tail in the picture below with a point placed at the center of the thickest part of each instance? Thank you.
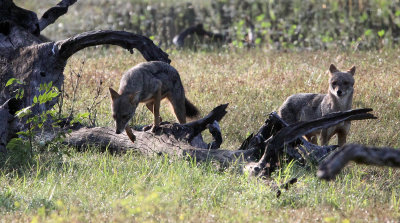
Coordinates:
(191, 110)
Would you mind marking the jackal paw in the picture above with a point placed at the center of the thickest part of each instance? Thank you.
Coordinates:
(153, 128)
(147, 127)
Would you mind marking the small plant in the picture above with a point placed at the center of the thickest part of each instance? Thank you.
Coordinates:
(32, 122)
(22, 148)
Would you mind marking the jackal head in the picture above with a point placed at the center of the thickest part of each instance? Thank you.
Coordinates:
(341, 83)
(123, 108)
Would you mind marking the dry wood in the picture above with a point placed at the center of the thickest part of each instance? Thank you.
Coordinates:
(199, 31)
(272, 140)
(7, 121)
(11, 15)
(330, 167)
(276, 144)
(172, 139)
(5, 118)
(52, 14)
(150, 144)
(66, 48)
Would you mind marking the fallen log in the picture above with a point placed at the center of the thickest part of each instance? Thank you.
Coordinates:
(360, 154)
(276, 144)
(261, 152)
(172, 139)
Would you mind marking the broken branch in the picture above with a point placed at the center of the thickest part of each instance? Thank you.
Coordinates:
(147, 48)
(52, 14)
(359, 154)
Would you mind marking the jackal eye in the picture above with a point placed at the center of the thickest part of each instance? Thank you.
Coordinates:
(334, 83)
(114, 117)
(125, 116)
(345, 83)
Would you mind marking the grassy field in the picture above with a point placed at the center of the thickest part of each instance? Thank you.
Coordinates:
(92, 186)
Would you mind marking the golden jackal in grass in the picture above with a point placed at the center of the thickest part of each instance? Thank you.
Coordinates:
(149, 83)
(307, 106)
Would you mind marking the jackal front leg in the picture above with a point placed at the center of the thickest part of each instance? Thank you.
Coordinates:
(130, 134)
(150, 106)
(342, 134)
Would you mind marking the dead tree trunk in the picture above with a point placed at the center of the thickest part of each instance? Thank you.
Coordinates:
(24, 56)
(7, 112)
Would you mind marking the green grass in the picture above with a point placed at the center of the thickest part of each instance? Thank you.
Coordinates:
(92, 186)
(101, 187)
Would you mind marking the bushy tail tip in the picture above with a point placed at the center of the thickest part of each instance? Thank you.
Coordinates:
(191, 110)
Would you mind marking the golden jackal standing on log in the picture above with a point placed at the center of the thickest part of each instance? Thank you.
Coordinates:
(307, 106)
(149, 83)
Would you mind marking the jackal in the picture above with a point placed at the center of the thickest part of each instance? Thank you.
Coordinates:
(149, 83)
(307, 106)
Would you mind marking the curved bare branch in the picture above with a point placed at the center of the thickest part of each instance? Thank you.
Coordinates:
(52, 14)
(200, 125)
(359, 154)
(127, 40)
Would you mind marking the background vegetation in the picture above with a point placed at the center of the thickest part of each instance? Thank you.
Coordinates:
(90, 186)
(288, 24)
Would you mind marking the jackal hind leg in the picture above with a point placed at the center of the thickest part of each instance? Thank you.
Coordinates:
(178, 105)
(342, 135)
(156, 108)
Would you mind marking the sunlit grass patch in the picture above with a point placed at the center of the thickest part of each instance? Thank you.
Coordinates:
(118, 188)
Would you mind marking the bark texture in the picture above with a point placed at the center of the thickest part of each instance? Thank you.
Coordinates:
(52, 14)
(7, 112)
(11, 15)
(360, 154)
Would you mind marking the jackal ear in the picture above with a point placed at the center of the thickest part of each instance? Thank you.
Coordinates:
(114, 94)
(352, 70)
(333, 69)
